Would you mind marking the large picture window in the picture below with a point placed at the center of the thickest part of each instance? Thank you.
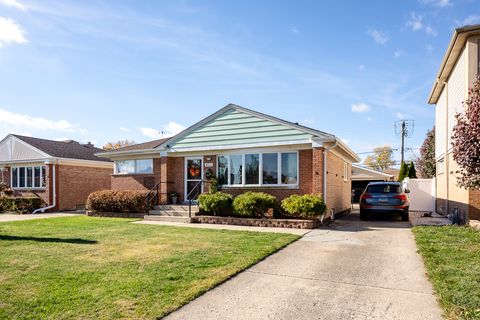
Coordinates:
(258, 169)
(28, 177)
(134, 166)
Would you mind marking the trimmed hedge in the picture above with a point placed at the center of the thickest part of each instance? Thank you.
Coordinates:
(118, 201)
(20, 204)
(253, 204)
(305, 206)
(214, 202)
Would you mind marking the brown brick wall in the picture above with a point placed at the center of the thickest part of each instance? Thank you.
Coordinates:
(5, 175)
(474, 201)
(77, 182)
(338, 190)
(133, 182)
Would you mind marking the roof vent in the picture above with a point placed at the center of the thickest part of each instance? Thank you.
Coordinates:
(88, 145)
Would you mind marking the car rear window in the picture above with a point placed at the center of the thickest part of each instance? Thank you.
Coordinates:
(384, 188)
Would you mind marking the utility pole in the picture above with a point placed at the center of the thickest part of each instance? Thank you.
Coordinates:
(404, 129)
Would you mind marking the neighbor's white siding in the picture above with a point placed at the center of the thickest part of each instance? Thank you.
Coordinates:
(440, 126)
(13, 149)
(457, 92)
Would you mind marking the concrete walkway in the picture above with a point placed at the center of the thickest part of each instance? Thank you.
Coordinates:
(22, 217)
(299, 232)
(349, 270)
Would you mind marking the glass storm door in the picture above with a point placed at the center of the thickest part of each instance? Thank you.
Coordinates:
(193, 176)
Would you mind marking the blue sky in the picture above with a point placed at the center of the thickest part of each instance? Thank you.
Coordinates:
(108, 70)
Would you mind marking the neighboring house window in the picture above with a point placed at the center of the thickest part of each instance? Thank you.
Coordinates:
(441, 166)
(255, 169)
(28, 177)
(345, 171)
(134, 166)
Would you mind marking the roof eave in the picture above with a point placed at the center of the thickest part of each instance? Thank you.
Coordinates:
(454, 50)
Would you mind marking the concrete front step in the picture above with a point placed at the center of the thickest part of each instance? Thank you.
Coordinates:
(168, 219)
(176, 208)
(170, 213)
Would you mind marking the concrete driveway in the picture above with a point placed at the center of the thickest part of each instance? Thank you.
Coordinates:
(5, 217)
(349, 270)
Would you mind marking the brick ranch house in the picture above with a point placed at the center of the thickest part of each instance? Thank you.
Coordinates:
(458, 70)
(247, 151)
(62, 173)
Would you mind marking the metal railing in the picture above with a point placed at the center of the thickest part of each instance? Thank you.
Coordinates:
(152, 198)
(195, 192)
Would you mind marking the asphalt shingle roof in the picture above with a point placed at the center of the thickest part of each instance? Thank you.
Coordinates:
(64, 149)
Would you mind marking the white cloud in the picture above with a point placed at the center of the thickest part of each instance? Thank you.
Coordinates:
(360, 107)
(361, 67)
(378, 36)
(170, 129)
(344, 140)
(294, 30)
(151, 133)
(124, 129)
(398, 53)
(416, 24)
(473, 19)
(10, 32)
(308, 121)
(26, 121)
(13, 4)
(402, 116)
(369, 119)
(437, 3)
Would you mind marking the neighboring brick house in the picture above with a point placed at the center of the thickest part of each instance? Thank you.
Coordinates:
(245, 150)
(62, 173)
(458, 70)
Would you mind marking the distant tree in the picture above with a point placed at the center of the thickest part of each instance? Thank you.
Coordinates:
(466, 140)
(119, 144)
(426, 163)
(381, 159)
(403, 173)
(412, 172)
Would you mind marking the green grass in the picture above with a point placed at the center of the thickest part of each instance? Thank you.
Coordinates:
(91, 268)
(452, 258)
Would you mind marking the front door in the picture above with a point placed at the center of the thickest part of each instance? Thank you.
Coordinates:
(193, 177)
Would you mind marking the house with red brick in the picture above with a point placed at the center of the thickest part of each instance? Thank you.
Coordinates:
(62, 173)
(246, 151)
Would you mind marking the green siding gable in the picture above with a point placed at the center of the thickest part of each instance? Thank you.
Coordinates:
(239, 128)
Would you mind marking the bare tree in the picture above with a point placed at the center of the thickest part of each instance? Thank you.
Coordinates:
(119, 144)
(381, 159)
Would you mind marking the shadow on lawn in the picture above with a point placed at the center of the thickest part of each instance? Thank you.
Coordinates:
(54, 240)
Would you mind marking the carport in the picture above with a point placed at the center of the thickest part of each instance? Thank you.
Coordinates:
(362, 176)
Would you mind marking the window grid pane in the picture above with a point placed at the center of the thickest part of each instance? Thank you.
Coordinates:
(14, 177)
(289, 168)
(270, 168)
(144, 166)
(222, 170)
(21, 175)
(236, 169)
(252, 168)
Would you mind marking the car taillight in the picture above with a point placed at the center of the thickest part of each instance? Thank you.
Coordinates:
(365, 196)
(401, 197)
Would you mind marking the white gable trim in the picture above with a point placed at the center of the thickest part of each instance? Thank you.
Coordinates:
(316, 133)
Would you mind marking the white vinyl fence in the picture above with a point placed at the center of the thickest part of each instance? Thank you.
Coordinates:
(422, 194)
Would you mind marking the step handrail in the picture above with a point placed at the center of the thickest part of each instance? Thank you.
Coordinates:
(191, 199)
(151, 195)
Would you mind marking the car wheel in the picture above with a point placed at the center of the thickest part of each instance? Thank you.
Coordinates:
(363, 215)
(405, 216)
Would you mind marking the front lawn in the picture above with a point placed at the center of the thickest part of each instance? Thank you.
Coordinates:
(452, 258)
(91, 268)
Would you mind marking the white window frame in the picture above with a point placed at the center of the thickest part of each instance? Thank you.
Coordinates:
(345, 171)
(33, 187)
(440, 166)
(260, 170)
(135, 166)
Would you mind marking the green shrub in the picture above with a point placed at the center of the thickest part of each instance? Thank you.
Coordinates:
(253, 204)
(20, 204)
(305, 206)
(118, 201)
(214, 202)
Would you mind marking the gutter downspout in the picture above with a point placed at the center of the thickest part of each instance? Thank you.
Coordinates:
(54, 204)
(325, 151)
